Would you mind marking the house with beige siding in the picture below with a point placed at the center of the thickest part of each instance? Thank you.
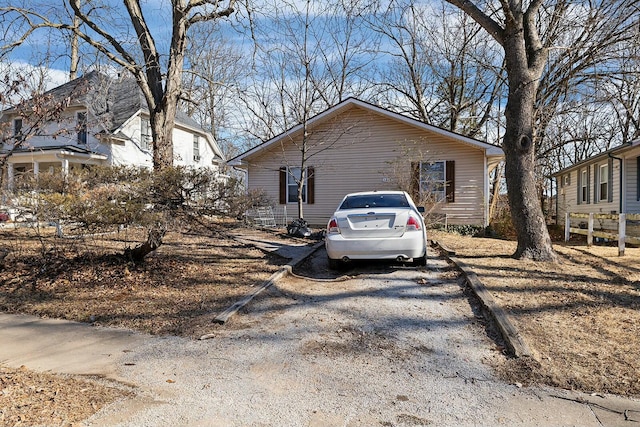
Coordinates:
(356, 146)
(608, 183)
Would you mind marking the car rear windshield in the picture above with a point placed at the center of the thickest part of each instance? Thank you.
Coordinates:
(375, 201)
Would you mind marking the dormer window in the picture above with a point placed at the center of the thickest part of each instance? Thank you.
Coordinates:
(17, 127)
(81, 126)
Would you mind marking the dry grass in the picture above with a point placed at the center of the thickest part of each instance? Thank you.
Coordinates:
(30, 398)
(582, 314)
(178, 290)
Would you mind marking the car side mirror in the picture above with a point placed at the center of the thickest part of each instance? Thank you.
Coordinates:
(421, 209)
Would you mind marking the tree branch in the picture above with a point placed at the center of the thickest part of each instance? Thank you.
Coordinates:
(492, 27)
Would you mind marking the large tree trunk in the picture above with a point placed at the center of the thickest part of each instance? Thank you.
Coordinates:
(162, 127)
(526, 213)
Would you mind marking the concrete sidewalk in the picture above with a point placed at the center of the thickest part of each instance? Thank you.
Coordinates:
(65, 347)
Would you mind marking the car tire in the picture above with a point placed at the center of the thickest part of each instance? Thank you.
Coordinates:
(335, 264)
(421, 261)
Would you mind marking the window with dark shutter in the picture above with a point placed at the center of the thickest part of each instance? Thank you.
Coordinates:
(311, 185)
(289, 177)
(451, 181)
(596, 183)
(581, 195)
(586, 184)
(283, 185)
(610, 179)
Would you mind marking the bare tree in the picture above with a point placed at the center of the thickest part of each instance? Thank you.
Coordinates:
(212, 83)
(443, 69)
(346, 52)
(304, 64)
(107, 28)
(524, 30)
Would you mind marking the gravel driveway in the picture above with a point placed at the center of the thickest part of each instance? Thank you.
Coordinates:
(389, 346)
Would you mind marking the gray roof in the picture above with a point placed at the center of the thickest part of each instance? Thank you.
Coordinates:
(114, 100)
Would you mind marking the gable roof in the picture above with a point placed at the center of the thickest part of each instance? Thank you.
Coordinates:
(601, 156)
(115, 101)
(490, 149)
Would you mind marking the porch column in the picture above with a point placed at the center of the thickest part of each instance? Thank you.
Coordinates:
(65, 167)
(10, 176)
(36, 169)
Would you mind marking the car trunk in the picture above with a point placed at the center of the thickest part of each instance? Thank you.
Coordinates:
(368, 223)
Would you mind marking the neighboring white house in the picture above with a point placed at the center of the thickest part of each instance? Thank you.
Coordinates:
(608, 183)
(357, 146)
(106, 122)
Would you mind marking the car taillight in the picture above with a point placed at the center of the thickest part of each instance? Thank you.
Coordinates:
(333, 226)
(413, 224)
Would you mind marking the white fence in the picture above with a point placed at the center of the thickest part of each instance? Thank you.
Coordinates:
(620, 236)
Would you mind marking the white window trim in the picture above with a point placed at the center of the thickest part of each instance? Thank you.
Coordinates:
(584, 186)
(292, 186)
(603, 180)
(443, 182)
(145, 134)
(196, 148)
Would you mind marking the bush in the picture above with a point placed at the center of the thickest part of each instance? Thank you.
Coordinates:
(102, 199)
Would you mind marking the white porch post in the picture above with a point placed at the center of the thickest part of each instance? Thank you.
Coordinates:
(486, 193)
(65, 167)
(36, 169)
(10, 176)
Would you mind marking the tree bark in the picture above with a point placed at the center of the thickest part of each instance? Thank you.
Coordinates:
(525, 58)
(526, 213)
(153, 242)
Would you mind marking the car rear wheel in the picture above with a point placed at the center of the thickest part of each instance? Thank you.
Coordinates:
(335, 264)
(421, 261)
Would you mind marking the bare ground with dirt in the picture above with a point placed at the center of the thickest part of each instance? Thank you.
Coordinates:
(581, 315)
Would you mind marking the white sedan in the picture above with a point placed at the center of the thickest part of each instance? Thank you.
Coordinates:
(376, 225)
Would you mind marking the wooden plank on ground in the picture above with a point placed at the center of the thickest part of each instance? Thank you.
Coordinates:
(511, 335)
(286, 269)
(513, 339)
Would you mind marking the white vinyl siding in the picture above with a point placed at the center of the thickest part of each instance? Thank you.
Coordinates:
(364, 148)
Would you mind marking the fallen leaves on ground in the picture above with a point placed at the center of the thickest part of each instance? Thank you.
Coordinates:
(581, 315)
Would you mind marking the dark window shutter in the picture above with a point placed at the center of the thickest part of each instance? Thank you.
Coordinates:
(596, 183)
(283, 185)
(415, 181)
(450, 171)
(587, 184)
(610, 181)
(637, 178)
(579, 181)
(311, 185)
